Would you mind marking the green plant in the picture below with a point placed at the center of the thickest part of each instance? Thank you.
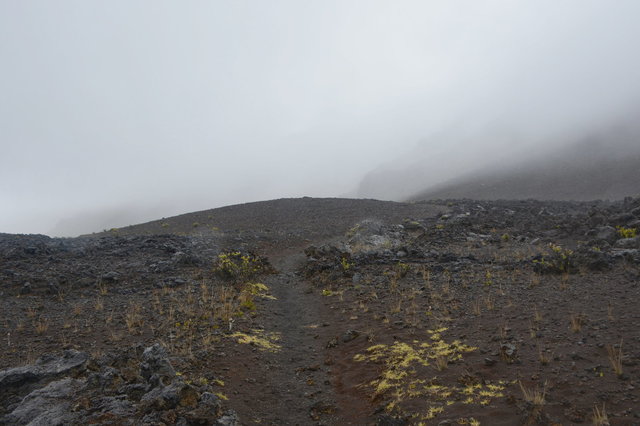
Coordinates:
(488, 280)
(353, 231)
(402, 269)
(627, 232)
(237, 267)
(346, 265)
(557, 260)
(248, 305)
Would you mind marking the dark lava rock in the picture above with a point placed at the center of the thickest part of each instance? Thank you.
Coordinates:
(622, 219)
(155, 360)
(20, 380)
(229, 419)
(185, 259)
(59, 393)
(594, 260)
(604, 233)
(26, 288)
(349, 335)
(50, 405)
(629, 243)
(110, 277)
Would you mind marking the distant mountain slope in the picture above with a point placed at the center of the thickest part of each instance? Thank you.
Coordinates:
(598, 163)
(600, 168)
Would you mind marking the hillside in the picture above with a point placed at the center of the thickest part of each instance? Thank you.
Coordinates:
(329, 312)
(598, 164)
(591, 170)
(292, 220)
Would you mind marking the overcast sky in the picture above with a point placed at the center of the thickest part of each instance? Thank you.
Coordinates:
(137, 109)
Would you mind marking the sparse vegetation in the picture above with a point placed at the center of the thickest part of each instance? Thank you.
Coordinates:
(543, 357)
(41, 325)
(627, 232)
(133, 318)
(557, 260)
(600, 417)
(576, 321)
(386, 319)
(615, 358)
(238, 267)
(402, 269)
(403, 377)
(534, 395)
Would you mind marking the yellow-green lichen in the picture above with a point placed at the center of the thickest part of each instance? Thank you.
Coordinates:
(404, 376)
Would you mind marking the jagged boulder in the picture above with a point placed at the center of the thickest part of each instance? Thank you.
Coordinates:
(17, 382)
(629, 243)
(73, 389)
(50, 405)
(155, 360)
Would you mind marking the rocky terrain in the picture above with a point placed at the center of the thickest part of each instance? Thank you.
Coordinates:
(329, 311)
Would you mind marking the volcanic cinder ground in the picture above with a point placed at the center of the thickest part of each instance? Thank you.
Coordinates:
(329, 311)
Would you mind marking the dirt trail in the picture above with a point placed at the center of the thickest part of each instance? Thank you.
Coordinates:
(294, 385)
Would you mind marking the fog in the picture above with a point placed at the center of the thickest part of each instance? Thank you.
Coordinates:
(120, 112)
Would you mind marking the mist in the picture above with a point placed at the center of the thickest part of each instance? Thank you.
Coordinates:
(123, 112)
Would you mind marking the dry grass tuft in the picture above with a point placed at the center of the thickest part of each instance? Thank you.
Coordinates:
(533, 329)
(41, 325)
(102, 288)
(564, 281)
(441, 362)
(537, 316)
(534, 396)
(576, 322)
(477, 307)
(600, 417)
(610, 315)
(133, 317)
(543, 357)
(397, 306)
(615, 358)
(489, 303)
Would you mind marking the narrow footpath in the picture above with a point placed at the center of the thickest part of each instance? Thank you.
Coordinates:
(293, 386)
